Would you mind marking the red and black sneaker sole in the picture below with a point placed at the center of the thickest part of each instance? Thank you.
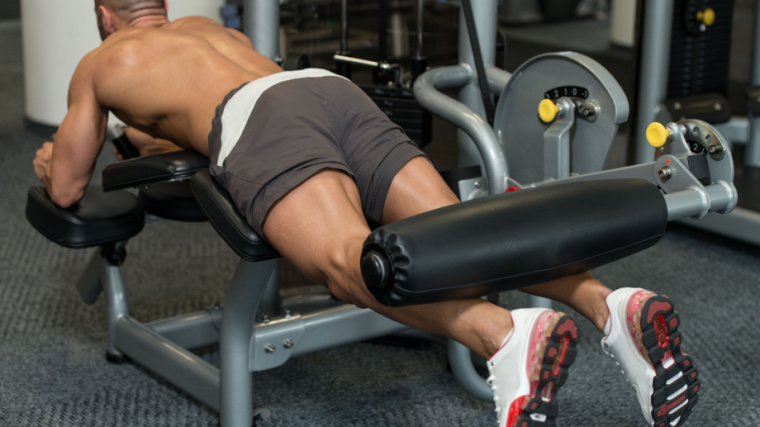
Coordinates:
(542, 409)
(676, 382)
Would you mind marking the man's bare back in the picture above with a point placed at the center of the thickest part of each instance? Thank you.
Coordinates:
(164, 80)
(176, 76)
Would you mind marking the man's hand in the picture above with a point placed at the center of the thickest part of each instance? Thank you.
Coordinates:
(42, 161)
(146, 144)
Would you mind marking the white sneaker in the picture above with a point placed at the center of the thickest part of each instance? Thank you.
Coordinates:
(529, 368)
(642, 336)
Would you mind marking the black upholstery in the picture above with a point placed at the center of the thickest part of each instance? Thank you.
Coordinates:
(97, 219)
(173, 166)
(171, 200)
(511, 240)
(227, 220)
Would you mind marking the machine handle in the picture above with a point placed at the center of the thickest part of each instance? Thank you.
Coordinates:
(122, 144)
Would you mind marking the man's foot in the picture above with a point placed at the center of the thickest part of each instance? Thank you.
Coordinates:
(532, 364)
(642, 336)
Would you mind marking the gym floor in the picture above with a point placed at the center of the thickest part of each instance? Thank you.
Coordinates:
(53, 370)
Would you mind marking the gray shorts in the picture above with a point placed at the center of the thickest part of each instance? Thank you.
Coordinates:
(296, 128)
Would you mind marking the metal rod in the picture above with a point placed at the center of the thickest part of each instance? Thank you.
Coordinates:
(89, 285)
(485, 13)
(382, 30)
(653, 77)
(752, 153)
(488, 150)
(755, 72)
(191, 330)
(344, 26)
(460, 360)
(236, 381)
(262, 23)
(177, 365)
(420, 23)
(357, 61)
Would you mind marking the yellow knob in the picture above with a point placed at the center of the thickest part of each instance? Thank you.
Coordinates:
(547, 110)
(657, 134)
(706, 16)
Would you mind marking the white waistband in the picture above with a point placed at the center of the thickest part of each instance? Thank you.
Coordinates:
(239, 107)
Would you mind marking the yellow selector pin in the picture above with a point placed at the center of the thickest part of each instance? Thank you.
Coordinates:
(547, 110)
(706, 16)
(657, 134)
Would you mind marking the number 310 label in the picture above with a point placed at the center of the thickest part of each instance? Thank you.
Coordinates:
(572, 91)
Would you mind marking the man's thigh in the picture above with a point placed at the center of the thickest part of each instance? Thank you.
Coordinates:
(319, 227)
(415, 189)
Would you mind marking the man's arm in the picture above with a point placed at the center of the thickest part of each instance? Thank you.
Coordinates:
(147, 145)
(66, 165)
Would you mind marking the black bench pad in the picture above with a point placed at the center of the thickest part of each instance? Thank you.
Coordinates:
(173, 166)
(97, 219)
(171, 200)
(227, 220)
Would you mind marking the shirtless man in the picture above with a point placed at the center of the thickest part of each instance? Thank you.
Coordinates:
(310, 161)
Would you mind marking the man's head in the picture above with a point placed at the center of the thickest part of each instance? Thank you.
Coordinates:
(114, 15)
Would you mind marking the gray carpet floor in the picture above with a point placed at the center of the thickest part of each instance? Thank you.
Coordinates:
(53, 371)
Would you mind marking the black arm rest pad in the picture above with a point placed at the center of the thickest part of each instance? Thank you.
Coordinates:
(511, 240)
(97, 219)
(173, 166)
(227, 220)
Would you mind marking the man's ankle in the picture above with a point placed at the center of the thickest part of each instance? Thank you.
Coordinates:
(499, 339)
(602, 313)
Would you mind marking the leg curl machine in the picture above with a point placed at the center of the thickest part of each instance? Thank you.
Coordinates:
(479, 247)
(483, 246)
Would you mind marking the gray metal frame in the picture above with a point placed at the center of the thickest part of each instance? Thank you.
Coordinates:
(478, 143)
(479, 135)
(245, 345)
(685, 195)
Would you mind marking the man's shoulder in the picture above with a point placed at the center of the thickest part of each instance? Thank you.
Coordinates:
(131, 42)
(118, 50)
(88, 62)
(192, 21)
(118, 40)
(194, 18)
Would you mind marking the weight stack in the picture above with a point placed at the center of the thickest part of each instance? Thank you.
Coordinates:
(399, 105)
(699, 57)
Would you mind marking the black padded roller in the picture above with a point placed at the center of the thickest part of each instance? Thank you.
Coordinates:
(511, 240)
